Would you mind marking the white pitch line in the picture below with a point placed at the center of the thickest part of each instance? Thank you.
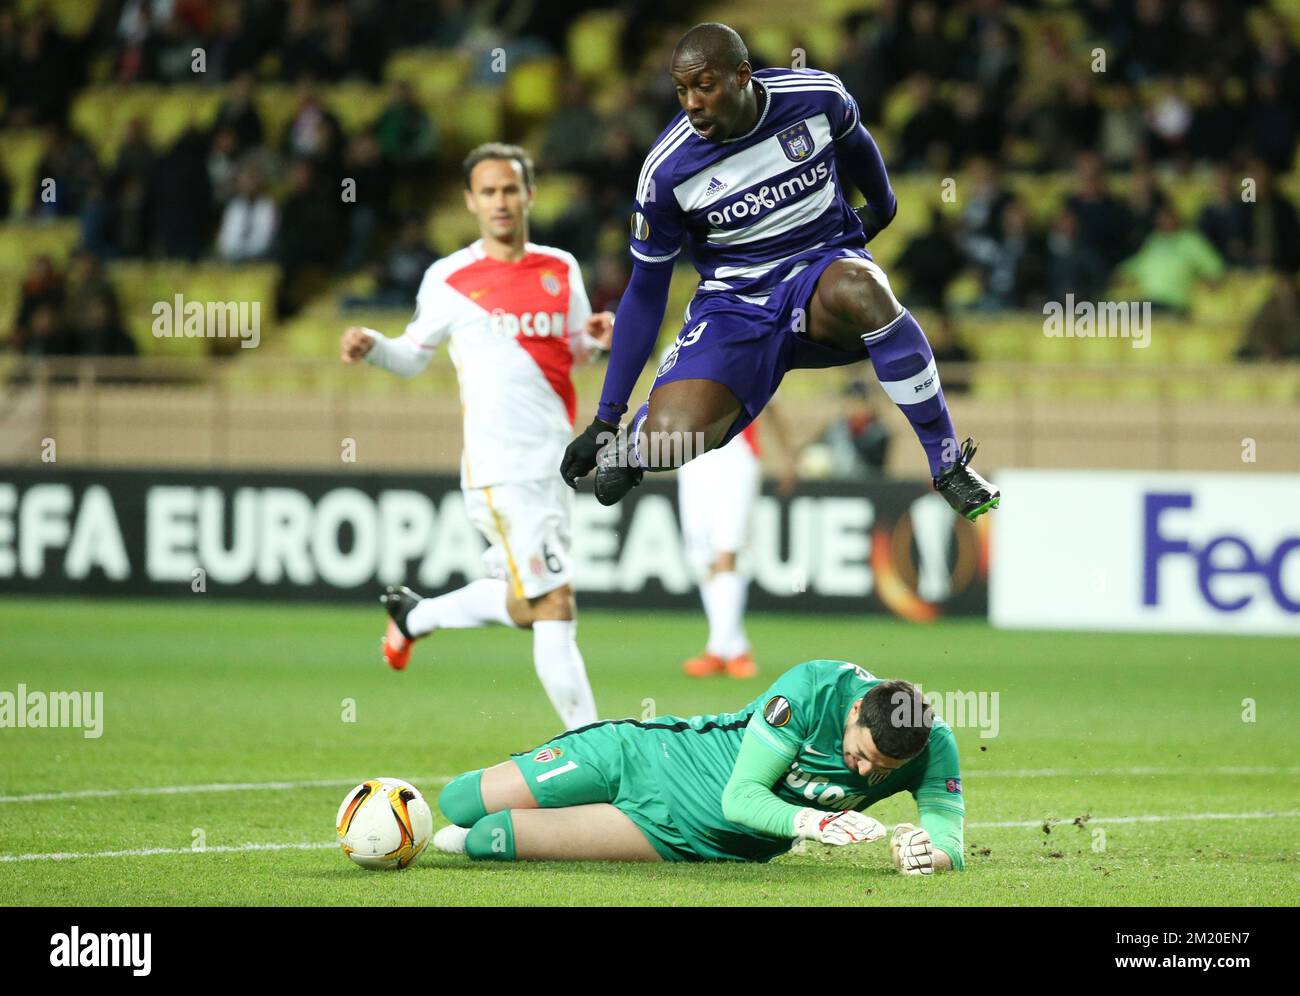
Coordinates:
(198, 789)
(1135, 771)
(148, 790)
(148, 852)
(1171, 818)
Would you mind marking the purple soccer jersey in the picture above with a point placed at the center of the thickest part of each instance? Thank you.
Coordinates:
(754, 206)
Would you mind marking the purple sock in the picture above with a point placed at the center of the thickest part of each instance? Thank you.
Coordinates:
(906, 369)
(634, 436)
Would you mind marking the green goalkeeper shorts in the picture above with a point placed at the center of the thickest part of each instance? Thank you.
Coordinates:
(609, 762)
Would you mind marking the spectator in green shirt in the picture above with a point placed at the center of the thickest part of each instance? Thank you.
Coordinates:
(1170, 263)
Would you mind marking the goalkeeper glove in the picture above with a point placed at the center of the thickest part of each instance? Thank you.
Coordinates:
(911, 850)
(580, 455)
(848, 827)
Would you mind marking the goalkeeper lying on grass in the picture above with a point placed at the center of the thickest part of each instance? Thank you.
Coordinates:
(798, 763)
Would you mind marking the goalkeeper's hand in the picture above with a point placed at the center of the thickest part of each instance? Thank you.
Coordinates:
(912, 850)
(848, 827)
(580, 455)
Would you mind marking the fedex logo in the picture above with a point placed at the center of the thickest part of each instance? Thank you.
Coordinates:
(1217, 558)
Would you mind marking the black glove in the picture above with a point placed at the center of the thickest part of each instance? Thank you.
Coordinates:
(872, 225)
(580, 455)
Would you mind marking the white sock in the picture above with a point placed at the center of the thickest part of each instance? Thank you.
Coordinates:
(479, 603)
(451, 839)
(729, 590)
(710, 600)
(562, 671)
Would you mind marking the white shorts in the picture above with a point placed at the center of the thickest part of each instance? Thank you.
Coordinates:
(526, 526)
(717, 492)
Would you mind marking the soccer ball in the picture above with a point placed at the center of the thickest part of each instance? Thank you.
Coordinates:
(384, 823)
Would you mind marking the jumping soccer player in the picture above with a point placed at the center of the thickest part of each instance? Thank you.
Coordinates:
(750, 174)
(516, 315)
(800, 762)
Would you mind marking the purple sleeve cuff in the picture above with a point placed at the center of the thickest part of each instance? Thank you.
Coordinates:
(636, 327)
(860, 159)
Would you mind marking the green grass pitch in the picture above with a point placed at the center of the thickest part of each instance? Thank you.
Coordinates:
(1141, 739)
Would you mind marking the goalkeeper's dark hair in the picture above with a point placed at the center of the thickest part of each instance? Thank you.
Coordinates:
(499, 150)
(898, 717)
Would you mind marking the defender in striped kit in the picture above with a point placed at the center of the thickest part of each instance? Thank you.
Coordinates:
(750, 174)
(801, 762)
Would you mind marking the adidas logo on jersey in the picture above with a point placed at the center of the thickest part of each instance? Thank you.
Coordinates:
(716, 186)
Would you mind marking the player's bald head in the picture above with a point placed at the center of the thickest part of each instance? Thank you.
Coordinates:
(711, 45)
(711, 74)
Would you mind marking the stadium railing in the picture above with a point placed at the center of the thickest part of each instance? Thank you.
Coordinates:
(301, 413)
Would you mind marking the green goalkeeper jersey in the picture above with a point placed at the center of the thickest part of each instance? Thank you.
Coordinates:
(783, 752)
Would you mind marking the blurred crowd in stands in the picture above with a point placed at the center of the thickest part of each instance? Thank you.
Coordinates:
(974, 89)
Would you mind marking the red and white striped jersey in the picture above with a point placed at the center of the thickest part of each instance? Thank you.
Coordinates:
(514, 330)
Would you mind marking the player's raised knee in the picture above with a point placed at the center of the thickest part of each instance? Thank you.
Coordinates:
(863, 296)
(492, 838)
(670, 438)
(462, 800)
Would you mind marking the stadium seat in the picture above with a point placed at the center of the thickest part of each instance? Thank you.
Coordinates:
(141, 285)
(356, 105)
(533, 88)
(73, 17)
(473, 118)
(555, 192)
(436, 74)
(593, 44)
(20, 155)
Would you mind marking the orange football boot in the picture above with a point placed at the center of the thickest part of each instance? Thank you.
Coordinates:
(704, 666)
(742, 666)
(396, 647)
(397, 642)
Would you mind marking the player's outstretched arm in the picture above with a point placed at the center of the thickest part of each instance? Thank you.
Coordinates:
(939, 843)
(748, 798)
(399, 356)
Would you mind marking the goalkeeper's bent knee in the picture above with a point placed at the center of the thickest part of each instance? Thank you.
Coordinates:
(462, 800)
(492, 838)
